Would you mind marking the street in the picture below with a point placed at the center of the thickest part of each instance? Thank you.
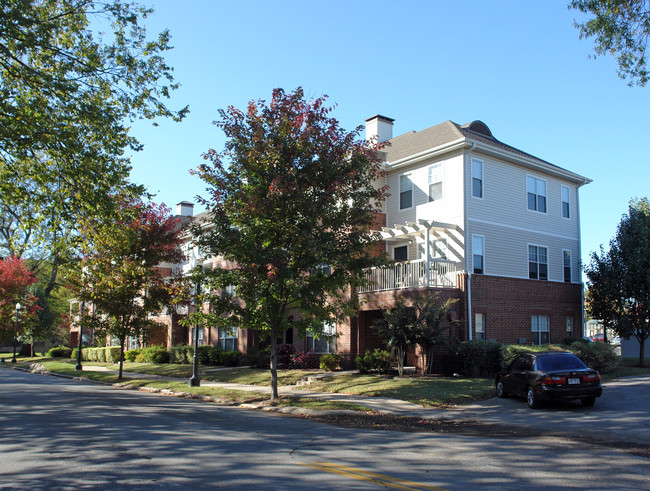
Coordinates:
(61, 434)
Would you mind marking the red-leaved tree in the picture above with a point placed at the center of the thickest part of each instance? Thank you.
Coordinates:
(15, 278)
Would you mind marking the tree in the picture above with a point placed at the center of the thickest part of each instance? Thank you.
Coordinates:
(621, 28)
(432, 327)
(15, 279)
(120, 274)
(398, 328)
(619, 279)
(292, 198)
(67, 94)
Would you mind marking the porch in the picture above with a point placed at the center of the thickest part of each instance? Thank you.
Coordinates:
(435, 273)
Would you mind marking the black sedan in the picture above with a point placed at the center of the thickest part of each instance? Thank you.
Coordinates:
(548, 376)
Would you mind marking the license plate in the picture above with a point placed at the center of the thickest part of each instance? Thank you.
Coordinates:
(574, 381)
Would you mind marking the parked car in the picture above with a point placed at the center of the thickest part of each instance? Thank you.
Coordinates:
(599, 337)
(549, 376)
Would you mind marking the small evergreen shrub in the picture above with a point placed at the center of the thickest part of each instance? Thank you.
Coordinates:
(479, 358)
(569, 340)
(181, 354)
(101, 355)
(230, 358)
(132, 354)
(75, 351)
(376, 360)
(283, 354)
(154, 354)
(209, 355)
(59, 352)
(330, 362)
(259, 358)
(112, 354)
(304, 360)
(511, 351)
(599, 356)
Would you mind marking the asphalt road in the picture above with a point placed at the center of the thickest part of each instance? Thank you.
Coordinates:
(62, 434)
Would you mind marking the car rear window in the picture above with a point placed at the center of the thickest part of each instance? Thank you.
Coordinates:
(560, 362)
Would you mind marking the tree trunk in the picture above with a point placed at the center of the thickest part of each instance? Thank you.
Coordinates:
(641, 351)
(274, 366)
(400, 361)
(119, 376)
(31, 350)
(52, 281)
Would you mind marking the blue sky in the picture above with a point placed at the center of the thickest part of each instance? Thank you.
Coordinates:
(520, 67)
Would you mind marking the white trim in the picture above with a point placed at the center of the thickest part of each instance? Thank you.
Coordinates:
(471, 179)
(570, 265)
(401, 244)
(427, 154)
(562, 187)
(548, 263)
(522, 229)
(545, 212)
(482, 252)
(399, 194)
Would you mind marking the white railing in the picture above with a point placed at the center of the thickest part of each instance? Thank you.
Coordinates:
(412, 274)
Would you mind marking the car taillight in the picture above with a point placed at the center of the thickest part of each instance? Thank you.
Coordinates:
(592, 377)
(553, 380)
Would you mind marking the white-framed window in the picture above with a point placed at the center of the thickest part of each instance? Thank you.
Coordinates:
(401, 253)
(405, 192)
(132, 342)
(228, 338)
(537, 262)
(435, 182)
(566, 212)
(479, 325)
(477, 178)
(200, 333)
(566, 261)
(536, 191)
(539, 326)
(478, 254)
(325, 343)
(438, 250)
(569, 324)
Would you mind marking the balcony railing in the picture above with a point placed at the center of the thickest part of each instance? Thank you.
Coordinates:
(412, 274)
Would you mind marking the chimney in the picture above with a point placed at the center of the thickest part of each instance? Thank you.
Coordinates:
(185, 209)
(380, 127)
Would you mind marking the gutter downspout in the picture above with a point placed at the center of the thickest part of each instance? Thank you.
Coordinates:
(467, 268)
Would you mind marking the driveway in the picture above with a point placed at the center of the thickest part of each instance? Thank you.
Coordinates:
(621, 414)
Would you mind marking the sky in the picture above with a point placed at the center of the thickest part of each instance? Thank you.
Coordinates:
(520, 67)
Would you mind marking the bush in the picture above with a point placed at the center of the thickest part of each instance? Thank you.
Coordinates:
(479, 358)
(283, 354)
(330, 362)
(230, 358)
(131, 354)
(569, 340)
(304, 360)
(377, 360)
(209, 355)
(258, 359)
(112, 354)
(75, 351)
(181, 354)
(511, 351)
(599, 356)
(154, 354)
(59, 352)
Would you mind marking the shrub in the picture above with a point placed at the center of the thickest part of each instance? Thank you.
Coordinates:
(479, 358)
(599, 356)
(377, 360)
(230, 358)
(154, 354)
(304, 360)
(131, 354)
(181, 354)
(330, 362)
(112, 354)
(258, 359)
(209, 355)
(283, 354)
(511, 351)
(75, 351)
(59, 352)
(569, 340)
(101, 354)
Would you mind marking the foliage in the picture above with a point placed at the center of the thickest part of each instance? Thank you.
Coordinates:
(599, 356)
(511, 351)
(15, 279)
(260, 358)
(283, 354)
(377, 360)
(210, 355)
(330, 362)
(304, 360)
(181, 354)
(59, 352)
(620, 28)
(66, 91)
(230, 358)
(398, 328)
(119, 274)
(292, 198)
(479, 358)
(619, 279)
(433, 326)
(153, 354)
(132, 354)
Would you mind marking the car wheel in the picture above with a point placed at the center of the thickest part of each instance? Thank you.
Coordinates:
(588, 401)
(531, 398)
(500, 390)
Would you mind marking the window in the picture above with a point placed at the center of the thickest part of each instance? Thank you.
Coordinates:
(200, 333)
(539, 325)
(477, 253)
(536, 189)
(537, 262)
(479, 325)
(325, 342)
(401, 253)
(439, 249)
(228, 338)
(405, 192)
(435, 182)
(229, 291)
(567, 265)
(565, 202)
(569, 324)
(477, 178)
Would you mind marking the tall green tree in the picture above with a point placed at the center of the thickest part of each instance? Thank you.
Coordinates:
(291, 200)
(120, 274)
(398, 328)
(619, 279)
(433, 326)
(620, 28)
(68, 94)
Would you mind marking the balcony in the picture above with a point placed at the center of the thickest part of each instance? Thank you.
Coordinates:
(440, 273)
